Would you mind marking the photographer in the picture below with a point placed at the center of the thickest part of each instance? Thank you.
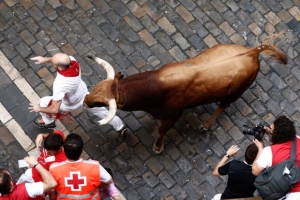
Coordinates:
(240, 177)
(282, 132)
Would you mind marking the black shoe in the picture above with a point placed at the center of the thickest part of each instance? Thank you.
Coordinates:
(123, 130)
(42, 125)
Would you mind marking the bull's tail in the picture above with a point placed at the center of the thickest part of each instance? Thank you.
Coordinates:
(269, 47)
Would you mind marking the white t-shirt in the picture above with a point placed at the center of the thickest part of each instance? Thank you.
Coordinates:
(70, 90)
(34, 189)
(104, 175)
(265, 158)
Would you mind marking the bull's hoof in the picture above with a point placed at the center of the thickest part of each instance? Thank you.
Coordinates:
(158, 150)
(203, 129)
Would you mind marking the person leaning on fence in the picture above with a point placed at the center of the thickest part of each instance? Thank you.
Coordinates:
(282, 132)
(77, 178)
(240, 177)
(24, 191)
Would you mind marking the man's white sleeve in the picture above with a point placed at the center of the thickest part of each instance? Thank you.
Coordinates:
(34, 189)
(104, 175)
(26, 177)
(72, 58)
(265, 158)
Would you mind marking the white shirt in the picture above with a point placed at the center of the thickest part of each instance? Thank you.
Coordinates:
(265, 158)
(34, 189)
(70, 90)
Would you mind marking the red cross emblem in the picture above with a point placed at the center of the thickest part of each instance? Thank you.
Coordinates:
(75, 181)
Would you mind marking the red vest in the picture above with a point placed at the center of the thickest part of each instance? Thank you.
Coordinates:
(59, 157)
(281, 152)
(18, 193)
(42, 159)
(77, 180)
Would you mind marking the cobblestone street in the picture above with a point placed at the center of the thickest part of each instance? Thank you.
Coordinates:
(136, 36)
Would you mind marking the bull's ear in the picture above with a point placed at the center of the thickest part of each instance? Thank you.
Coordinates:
(119, 75)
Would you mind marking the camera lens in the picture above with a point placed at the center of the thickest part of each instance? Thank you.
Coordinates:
(247, 130)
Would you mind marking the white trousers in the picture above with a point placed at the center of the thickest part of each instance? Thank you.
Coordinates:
(100, 112)
(289, 196)
(217, 197)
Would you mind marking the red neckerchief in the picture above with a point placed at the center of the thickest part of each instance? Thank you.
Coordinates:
(72, 71)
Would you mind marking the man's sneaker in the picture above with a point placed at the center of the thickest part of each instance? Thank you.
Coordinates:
(42, 125)
(123, 130)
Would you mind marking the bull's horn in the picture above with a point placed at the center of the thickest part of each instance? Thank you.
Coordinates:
(111, 113)
(109, 69)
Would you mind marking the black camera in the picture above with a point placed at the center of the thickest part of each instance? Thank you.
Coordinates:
(258, 131)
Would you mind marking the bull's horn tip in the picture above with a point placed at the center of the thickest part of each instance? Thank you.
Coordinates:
(91, 57)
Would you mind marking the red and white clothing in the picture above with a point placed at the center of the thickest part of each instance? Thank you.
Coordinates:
(276, 153)
(79, 179)
(69, 88)
(25, 191)
(32, 175)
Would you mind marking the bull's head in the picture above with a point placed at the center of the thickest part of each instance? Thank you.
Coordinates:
(102, 93)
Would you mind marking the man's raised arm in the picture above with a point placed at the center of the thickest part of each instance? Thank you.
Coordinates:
(48, 181)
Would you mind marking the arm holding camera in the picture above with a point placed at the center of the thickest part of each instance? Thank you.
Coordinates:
(230, 152)
(256, 168)
(268, 129)
(39, 139)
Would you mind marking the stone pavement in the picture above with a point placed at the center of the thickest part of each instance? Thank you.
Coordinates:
(136, 36)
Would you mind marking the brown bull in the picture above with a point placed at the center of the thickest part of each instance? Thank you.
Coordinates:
(219, 74)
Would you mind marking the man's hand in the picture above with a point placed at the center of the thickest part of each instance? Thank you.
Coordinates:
(38, 60)
(259, 144)
(268, 130)
(232, 150)
(34, 107)
(39, 139)
(31, 161)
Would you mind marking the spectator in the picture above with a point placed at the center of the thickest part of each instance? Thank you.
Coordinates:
(12, 191)
(282, 132)
(69, 92)
(240, 177)
(52, 152)
(109, 190)
(77, 177)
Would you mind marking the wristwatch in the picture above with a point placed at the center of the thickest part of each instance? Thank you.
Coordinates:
(36, 164)
(227, 155)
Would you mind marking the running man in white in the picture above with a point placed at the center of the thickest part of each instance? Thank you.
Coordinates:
(69, 92)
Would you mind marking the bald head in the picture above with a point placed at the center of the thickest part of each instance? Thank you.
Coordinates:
(61, 60)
